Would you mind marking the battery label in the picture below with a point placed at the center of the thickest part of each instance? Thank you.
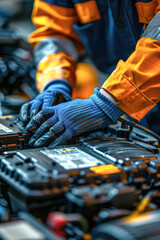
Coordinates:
(72, 158)
(5, 129)
(107, 169)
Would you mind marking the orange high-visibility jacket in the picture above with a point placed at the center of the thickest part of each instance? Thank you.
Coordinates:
(109, 31)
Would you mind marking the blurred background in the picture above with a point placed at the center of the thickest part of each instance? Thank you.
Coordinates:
(17, 70)
(18, 13)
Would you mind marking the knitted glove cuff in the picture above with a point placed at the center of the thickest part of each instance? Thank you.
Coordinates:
(59, 84)
(106, 105)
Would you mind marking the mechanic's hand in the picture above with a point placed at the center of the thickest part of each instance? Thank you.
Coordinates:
(55, 92)
(58, 124)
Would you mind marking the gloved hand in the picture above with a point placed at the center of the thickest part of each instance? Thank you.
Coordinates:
(58, 124)
(55, 92)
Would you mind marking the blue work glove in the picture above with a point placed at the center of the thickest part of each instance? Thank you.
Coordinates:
(55, 92)
(60, 123)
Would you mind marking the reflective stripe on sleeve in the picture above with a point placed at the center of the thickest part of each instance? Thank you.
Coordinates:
(153, 29)
(53, 45)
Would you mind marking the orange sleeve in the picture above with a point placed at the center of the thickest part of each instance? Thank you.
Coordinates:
(55, 66)
(135, 84)
(54, 22)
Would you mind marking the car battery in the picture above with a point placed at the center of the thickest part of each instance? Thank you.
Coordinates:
(118, 151)
(12, 134)
(37, 179)
(142, 166)
(125, 143)
(132, 147)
